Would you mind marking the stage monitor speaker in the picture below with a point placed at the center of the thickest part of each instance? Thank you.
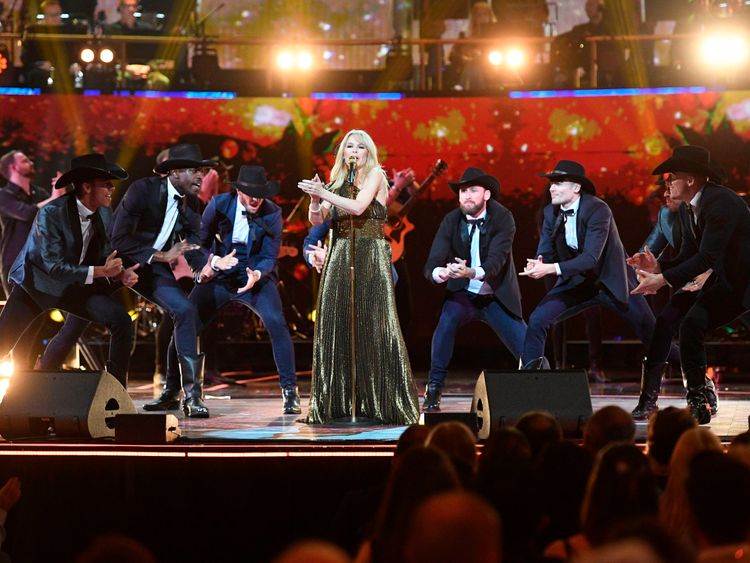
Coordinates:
(502, 397)
(62, 404)
(146, 428)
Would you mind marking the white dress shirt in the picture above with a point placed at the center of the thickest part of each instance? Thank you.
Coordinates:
(170, 217)
(571, 231)
(87, 231)
(477, 283)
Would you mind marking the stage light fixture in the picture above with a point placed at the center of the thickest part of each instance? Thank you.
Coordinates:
(285, 60)
(87, 55)
(495, 57)
(304, 60)
(514, 57)
(6, 368)
(106, 55)
(294, 59)
(728, 50)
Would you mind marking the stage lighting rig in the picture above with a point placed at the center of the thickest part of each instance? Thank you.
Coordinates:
(725, 51)
(295, 59)
(511, 57)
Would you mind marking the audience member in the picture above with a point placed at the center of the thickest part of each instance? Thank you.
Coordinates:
(563, 472)
(674, 511)
(722, 531)
(540, 429)
(414, 436)
(456, 441)
(621, 488)
(606, 426)
(10, 494)
(649, 531)
(739, 449)
(451, 527)
(421, 473)
(664, 429)
(506, 479)
(116, 548)
(313, 551)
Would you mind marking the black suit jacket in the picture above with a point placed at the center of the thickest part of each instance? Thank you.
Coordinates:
(48, 262)
(722, 244)
(138, 219)
(601, 257)
(495, 251)
(666, 232)
(264, 237)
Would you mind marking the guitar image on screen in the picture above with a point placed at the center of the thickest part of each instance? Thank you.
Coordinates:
(398, 225)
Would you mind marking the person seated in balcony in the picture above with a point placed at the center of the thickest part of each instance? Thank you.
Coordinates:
(571, 50)
(467, 62)
(142, 59)
(45, 61)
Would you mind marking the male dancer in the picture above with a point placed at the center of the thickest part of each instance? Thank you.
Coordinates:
(249, 227)
(152, 227)
(67, 263)
(581, 246)
(473, 254)
(716, 237)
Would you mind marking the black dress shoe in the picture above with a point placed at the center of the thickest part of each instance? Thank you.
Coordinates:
(291, 400)
(432, 396)
(644, 409)
(712, 396)
(168, 401)
(193, 407)
(699, 409)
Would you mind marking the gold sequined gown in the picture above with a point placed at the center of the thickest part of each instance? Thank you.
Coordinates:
(385, 387)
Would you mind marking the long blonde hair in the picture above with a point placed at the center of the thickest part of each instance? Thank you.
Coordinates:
(340, 169)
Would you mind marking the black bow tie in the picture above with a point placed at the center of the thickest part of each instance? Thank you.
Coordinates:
(248, 215)
(87, 217)
(567, 213)
(474, 224)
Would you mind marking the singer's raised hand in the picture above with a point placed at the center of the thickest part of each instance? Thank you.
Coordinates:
(314, 187)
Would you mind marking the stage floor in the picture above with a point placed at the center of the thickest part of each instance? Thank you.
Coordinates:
(250, 411)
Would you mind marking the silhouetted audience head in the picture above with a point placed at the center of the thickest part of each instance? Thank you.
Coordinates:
(414, 436)
(421, 473)
(564, 469)
(674, 513)
(649, 531)
(451, 527)
(116, 548)
(718, 492)
(507, 480)
(739, 449)
(540, 429)
(313, 551)
(459, 443)
(664, 429)
(608, 425)
(621, 487)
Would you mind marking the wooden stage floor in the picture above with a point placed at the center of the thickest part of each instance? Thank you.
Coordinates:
(250, 412)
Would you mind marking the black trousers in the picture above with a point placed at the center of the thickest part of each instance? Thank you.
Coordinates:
(94, 305)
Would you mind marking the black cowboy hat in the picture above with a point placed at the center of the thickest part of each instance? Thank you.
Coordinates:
(687, 158)
(251, 181)
(570, 170)
(477, 177)
(184, 156)
(89, 167)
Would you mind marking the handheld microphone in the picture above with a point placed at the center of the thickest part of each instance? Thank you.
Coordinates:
(350, 177)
